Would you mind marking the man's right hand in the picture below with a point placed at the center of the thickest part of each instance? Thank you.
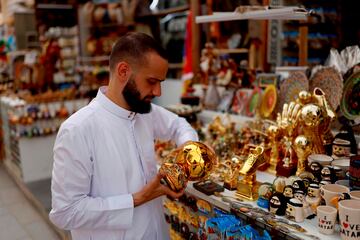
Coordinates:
(153, 190)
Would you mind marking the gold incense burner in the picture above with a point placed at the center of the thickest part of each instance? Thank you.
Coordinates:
(248, 187)
(194, 161)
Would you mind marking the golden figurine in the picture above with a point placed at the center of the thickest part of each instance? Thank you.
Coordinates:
(272, 133)
(288, 122)
(329, 116)
(194, 161)
(302, 147)
(217, 128)
(248, 187)
(232, 173)
(304, 98)
(313, 117)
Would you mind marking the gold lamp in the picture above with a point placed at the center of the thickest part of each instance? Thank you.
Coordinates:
(194, 161)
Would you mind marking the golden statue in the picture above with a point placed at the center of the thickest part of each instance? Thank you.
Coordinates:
(272, 133)
(194, 161)
(232, 173)
(312, 117)
(302, 147)
(248, 187)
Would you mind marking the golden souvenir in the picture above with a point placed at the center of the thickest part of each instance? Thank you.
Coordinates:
(248, 186)
(329, 115)
(217, 127)
(272, 133)
(302, 147)
(194, 161)
(313, 117)
(232, 174)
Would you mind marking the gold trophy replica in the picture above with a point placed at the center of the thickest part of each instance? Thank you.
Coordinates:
(194, 161)
(248, 187)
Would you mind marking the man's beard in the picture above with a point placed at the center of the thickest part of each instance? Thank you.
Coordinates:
(133, 98)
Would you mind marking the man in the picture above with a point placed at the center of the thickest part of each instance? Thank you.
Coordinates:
(105, 184)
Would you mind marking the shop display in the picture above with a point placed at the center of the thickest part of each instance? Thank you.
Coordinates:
(278, 174)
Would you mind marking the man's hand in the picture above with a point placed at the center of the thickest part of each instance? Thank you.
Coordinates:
(153, 190)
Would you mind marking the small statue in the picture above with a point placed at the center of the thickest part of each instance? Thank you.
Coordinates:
(328, 174)
(272, 133)
(340, 148)
(298, 185)
(303, 148)
(313, 197)
(265, 193)
(277, 204)
(315, 169)
(294, 210)
(288, 192)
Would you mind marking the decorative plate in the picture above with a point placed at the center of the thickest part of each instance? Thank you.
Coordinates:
(240, 100)
(331, 82)
(350, 102)
(253, 102)
(291, 86)
(268, 101)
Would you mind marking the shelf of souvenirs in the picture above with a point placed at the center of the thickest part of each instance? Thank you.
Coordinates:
(37, 118)
(164, 12)
(249, 212)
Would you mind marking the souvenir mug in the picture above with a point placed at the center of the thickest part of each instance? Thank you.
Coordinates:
(355, 195)
(349, 215)
(331, 191)
(326, 219)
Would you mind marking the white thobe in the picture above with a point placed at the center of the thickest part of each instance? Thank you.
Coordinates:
(102, 154)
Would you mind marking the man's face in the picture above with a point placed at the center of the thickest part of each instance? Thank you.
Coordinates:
(144, 84)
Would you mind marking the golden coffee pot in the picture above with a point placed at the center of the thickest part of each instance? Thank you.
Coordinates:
(194, 161)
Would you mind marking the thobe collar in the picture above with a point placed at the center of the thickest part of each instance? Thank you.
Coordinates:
(111, 106)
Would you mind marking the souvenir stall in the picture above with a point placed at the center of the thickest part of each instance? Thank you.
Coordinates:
(286, 149)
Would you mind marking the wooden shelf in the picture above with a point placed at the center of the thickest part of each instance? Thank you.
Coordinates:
(176, 65)
(285, 13)
(236, 50)
(164, 12)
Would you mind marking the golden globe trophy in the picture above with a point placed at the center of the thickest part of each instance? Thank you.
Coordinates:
(194, 161)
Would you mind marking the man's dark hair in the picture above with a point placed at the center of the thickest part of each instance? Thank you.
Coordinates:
(132, 48)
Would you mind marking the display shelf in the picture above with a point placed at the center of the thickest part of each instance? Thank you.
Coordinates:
(162, 13)
(309, 225)
(285, 13)
(207, 116)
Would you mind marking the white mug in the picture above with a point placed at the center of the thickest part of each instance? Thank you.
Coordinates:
(355, 195)
(331, 191)
(326, 219)
(349, 215)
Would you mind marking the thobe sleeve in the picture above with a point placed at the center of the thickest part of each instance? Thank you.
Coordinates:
(169, 126)
(72, 205)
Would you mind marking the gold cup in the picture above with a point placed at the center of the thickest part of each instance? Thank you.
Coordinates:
(194, 161)
(273, 132)
(303, 147)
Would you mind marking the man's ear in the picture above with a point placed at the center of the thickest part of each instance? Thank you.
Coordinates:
(123, 70)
